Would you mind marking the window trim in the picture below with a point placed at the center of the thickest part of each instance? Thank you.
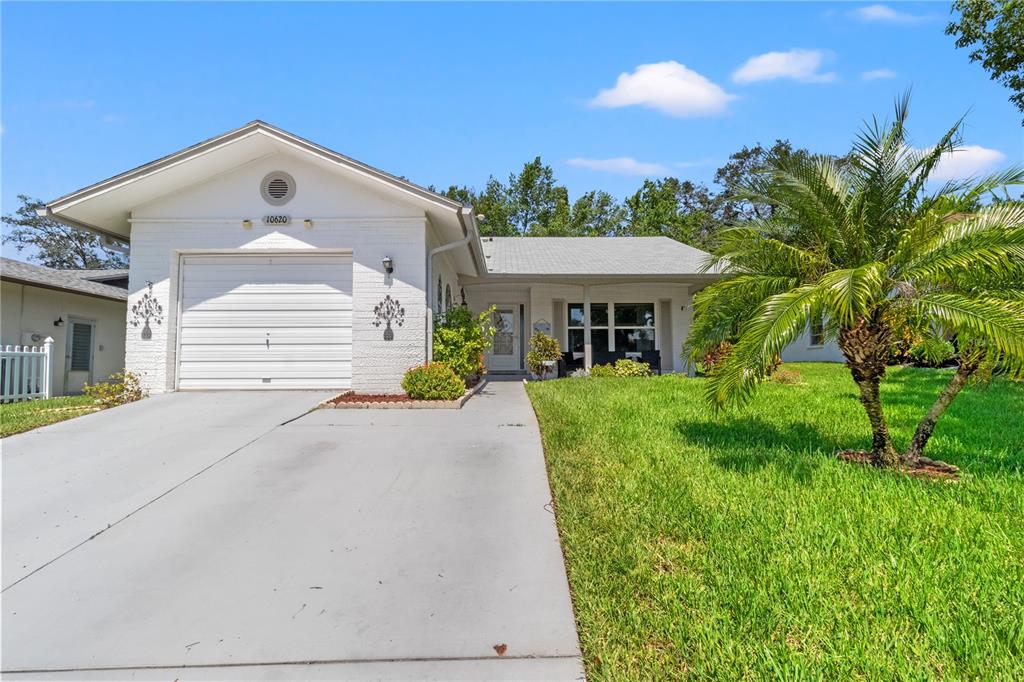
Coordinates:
(611, 327)
(811, 324)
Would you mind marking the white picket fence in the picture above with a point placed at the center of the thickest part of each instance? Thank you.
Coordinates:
(25, 371)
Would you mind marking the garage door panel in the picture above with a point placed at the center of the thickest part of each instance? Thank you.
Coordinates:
(233, 305)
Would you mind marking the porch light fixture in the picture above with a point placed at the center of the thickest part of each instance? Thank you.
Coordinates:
(308, 224)
(59, 322)
(247, 224)
(389, 265)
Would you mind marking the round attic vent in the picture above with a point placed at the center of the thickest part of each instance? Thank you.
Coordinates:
(277, 188)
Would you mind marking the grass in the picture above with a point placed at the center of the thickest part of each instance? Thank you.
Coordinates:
(31, 414)
(736, 546)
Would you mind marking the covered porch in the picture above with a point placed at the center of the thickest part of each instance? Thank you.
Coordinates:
(595, 320)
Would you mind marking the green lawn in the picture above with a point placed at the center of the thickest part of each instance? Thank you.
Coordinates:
(31, 414)
(736, 546)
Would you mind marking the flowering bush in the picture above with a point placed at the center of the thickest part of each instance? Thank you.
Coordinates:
(433, 381)
(624, 367)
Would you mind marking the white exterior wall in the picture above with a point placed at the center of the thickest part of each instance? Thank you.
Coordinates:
(539, 298)
(346, 216)
(801, 350)
(26, 309)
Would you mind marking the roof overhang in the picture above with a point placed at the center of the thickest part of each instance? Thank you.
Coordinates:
(105, 207)
(65, 290)
(591, 279)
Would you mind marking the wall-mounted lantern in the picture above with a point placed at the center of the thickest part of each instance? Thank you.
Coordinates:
(308, 224)
(247, 224)
(59, 322)
(389, 265)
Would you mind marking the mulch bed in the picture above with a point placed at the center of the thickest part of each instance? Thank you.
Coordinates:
(923, 467)
(369, 398)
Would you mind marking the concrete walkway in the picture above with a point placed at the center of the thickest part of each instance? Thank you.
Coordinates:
(346, 544)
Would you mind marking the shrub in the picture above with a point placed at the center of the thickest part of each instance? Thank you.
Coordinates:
(931, 352)
(627, 367)
(433, 381)
(120, 388)
(713, 356)
(461, 339)
(542, 348)
(602, 371)
(790, 377)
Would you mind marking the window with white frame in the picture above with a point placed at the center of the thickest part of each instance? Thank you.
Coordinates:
(634, 327)
(817, 331)
(598, 327)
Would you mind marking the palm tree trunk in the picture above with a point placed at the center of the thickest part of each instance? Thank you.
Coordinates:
(927, 424)
(866, 349)
(883, 452)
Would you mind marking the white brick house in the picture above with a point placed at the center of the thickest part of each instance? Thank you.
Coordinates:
(260, 260)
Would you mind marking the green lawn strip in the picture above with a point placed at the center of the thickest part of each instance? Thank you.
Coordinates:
(735, 546)
(31, 414)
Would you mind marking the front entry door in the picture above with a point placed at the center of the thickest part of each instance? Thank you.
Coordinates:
(505, 353)
(78, 356)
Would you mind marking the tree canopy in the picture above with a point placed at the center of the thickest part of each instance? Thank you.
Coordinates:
(55, 244)
(994, 32)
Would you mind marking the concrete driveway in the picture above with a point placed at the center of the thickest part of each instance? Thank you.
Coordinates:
(250, 542)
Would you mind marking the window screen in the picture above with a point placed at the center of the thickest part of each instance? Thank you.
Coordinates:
(81, 347)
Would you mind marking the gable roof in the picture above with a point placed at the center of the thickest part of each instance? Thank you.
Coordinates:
(593, 256)
(73, 281)
(104, 207)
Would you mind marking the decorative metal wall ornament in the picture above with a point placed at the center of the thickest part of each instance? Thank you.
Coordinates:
(145, 310)
(387, 311)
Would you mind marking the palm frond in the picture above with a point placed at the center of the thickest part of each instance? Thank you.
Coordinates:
(747, 249)
(776, 323)
(994, 321)
(721, 307)
(851, 293)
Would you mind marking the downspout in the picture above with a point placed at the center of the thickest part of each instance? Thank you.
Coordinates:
(430, 277)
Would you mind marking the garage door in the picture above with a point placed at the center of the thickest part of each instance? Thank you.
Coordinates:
(257, 322)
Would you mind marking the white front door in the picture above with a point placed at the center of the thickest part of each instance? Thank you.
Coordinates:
(505, 352)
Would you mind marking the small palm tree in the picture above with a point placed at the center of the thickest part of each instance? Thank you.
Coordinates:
(861, 243)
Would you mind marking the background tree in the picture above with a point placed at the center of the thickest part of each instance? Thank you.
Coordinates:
(994, 30)
(674, 208)
(56, 245)
(854, 242)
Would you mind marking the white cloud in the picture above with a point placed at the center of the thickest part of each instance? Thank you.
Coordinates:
(669, 87)
(798, 65)
(696, 163)
(886, 15)
(877, 74)
(967, 161)
(621, 165)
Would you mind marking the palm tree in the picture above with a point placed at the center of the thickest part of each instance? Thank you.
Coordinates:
(861, 243)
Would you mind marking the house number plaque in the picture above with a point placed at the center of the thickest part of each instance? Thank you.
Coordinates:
(277, 219)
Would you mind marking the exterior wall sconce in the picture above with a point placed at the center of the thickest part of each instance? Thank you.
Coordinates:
(59, 322)
(247, 224)
(389, 265)
(308, 224)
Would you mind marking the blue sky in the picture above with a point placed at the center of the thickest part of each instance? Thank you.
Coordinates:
(451, 93)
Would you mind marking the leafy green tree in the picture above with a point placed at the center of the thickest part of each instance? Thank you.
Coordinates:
(594, 214)
(56, 245)
(533, 197)
(994, 31)
(853, 243)
(669, 207)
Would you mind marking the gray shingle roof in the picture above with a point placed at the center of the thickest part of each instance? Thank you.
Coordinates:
(591, 256)
(75, 281)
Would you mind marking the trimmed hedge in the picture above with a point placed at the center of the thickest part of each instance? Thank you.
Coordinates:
(433, 381)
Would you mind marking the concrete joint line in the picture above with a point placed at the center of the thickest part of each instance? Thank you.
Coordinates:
(328, 661)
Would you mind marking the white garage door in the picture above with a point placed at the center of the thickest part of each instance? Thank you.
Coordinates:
(256, 322)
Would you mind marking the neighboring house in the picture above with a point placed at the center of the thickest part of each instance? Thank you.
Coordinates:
(83, 311)
(811, 346)
(262, 260)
